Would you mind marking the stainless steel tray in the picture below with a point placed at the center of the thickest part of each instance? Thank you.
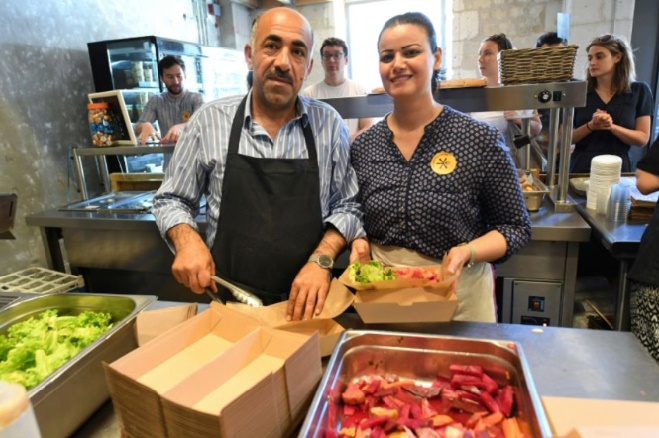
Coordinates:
(117, 202)
(66, 398)
(421, 358)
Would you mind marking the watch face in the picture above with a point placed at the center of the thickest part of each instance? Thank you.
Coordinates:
(325, 261)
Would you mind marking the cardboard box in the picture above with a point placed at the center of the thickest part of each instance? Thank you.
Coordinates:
(405, 305)
(264, 379)
(153, 323)
(593, 418)
(404, 299)
(339, 298)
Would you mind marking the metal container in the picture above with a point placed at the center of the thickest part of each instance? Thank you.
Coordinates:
(421, 358)
(533, 198)
(70, 395)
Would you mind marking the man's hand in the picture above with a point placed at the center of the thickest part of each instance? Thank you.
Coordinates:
(308, 292)
(173, 134)
(360, 251)
(193, 264)
(146, 132)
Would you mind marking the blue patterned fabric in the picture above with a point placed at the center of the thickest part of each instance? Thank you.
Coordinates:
(407, 204)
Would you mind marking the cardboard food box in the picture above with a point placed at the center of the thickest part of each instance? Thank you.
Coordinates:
(339, 298)
(219, 373)
(404, 299)
(593, 418)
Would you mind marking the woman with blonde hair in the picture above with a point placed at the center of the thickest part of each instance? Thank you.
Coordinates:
(618, 109)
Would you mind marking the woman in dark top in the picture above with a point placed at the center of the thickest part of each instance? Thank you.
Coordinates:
(436, 185)
(618, 109)
(644, 275)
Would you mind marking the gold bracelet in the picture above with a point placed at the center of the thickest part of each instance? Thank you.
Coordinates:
(472, 255)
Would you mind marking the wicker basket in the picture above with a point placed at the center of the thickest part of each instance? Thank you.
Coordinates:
(537, 65)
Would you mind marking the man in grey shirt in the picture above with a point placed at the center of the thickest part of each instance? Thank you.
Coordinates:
(171, 108)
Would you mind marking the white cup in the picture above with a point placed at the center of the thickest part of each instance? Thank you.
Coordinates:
(17, 419)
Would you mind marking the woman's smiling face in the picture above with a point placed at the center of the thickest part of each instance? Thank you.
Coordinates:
(406, 60)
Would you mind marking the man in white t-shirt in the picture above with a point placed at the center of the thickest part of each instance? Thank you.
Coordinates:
(334, 55)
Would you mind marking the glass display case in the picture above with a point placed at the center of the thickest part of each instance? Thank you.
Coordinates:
(131, 65)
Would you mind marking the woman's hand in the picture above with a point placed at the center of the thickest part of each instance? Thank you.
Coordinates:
(601, 120)
(360, 250)
(455, 260)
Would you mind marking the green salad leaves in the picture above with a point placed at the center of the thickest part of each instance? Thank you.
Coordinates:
(32, 349)
(370, 272)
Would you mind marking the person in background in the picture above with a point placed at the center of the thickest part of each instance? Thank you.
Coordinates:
(618, 109)
(550, 39)
(275, 170)
(172, 108)
(644, 274)
(489, 68)
(547, 40)
(334, 56)
(435, 184)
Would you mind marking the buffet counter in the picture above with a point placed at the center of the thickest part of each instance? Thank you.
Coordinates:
(583, 363)
(124, 253)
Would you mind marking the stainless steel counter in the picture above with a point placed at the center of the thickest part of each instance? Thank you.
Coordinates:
(124, 253)
(621, 240)
(563, 362)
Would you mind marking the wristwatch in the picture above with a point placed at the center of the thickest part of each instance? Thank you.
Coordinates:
(323, 260)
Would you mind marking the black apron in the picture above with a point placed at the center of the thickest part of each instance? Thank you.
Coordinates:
(270, 218)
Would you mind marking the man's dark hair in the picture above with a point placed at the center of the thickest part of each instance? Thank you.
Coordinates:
(169, 61)
(550, 38)
(334, 42)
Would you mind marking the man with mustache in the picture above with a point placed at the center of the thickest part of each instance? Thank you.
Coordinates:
(171, 108)
(275, 170)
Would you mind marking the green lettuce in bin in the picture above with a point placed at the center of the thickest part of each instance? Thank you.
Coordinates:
(32, 349)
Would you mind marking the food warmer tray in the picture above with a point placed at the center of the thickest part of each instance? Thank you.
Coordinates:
(421, 357)
(70, 395)
(117, 202)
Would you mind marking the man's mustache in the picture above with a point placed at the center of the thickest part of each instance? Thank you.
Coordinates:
(276, 73)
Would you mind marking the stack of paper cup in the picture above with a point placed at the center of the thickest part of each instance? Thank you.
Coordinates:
(604, 172)
(17, 418)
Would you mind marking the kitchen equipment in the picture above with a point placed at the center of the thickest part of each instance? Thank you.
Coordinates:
(420, 358)
(8, 204)
(213, 296)
(117, 202)
(241, 295)
(40, 280)
(66, 398)
(535, 190)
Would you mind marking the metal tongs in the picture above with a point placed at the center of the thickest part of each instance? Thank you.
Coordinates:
(240, 294)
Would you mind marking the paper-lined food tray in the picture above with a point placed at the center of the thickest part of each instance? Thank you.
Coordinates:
(383, 277)
(401, 294)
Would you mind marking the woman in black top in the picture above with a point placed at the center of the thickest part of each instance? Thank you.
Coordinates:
(644, 275)
(618, 109)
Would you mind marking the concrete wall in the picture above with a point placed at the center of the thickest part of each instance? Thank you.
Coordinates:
(43, 90)
(523, 21)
